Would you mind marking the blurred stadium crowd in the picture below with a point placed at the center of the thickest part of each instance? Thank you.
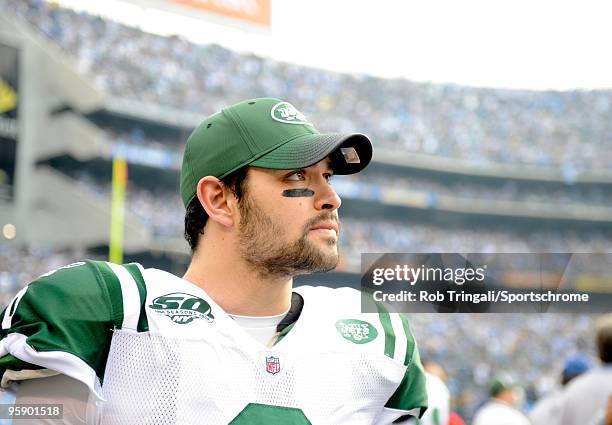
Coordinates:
(473, 348)
(19, 266)
(478, 125)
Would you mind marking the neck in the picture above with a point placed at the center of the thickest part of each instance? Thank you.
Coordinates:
(234, 285)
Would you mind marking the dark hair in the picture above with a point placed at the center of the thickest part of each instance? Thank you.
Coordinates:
(604, 338)
(196, 217)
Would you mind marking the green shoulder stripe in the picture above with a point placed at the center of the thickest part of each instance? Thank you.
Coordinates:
(127, 293)
(385, 321)
(409, 340)
(109, 283)
(143, 323)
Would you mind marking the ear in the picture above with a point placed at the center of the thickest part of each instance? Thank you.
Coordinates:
(217, 201)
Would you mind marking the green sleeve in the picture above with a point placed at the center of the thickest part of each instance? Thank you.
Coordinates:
(67, 311)
(411, 394)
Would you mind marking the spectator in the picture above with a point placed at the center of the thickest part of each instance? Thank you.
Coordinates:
(588, 395)
(501, 408)
(547, 410)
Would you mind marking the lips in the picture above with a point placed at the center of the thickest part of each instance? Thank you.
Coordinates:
(326, 226)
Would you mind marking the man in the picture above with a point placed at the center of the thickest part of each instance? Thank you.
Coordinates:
(585, 399)
(501, 408)
(547, 410)
(231, 341)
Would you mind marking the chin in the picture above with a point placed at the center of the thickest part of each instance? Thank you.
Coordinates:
(327, 240)
(328, 254)
(333, 256)
(330, 246)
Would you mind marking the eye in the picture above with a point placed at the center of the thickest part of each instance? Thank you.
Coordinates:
(296, 176)
(328, 177)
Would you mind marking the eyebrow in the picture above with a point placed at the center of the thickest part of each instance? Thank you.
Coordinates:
(328, 164)
(329, 170)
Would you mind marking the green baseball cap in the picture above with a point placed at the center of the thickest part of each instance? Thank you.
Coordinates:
(503, 381)
(267, 133)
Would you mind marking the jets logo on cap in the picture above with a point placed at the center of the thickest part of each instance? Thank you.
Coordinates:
(287, 113)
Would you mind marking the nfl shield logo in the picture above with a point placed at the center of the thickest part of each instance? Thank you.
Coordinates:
(272, 365)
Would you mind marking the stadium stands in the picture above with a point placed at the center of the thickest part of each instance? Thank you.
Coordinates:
(481, 125)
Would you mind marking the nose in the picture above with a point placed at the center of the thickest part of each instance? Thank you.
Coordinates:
(326, 198)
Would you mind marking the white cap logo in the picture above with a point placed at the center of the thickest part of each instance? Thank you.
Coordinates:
(286, 113)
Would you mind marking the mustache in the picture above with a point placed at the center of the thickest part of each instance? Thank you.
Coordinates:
(322, 218)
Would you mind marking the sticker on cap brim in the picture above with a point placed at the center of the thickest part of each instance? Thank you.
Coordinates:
(350, 155)
(286, 113)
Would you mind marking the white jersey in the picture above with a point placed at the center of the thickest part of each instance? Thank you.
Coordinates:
(496, 412)
(177, 358)
(547, 411)
(585, 398)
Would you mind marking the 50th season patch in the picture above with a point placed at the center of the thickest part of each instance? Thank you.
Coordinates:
(182, 308)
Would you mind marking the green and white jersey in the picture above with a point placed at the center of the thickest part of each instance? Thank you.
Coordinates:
(157, 349)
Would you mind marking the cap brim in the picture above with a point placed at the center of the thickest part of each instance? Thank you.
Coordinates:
(309, 149)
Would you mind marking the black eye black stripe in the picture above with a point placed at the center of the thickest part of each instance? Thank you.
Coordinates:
(297, 193)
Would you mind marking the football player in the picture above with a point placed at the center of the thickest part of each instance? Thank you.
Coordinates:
(231, 341)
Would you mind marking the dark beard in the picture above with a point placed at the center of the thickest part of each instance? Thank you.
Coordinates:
(259, 246)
